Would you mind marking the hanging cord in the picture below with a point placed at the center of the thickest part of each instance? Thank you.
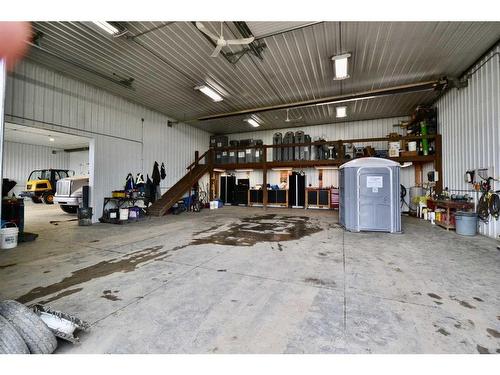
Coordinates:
(403, 200)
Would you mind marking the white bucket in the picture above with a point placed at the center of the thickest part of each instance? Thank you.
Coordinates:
(8, 237)
(412, 146)
(124, 214)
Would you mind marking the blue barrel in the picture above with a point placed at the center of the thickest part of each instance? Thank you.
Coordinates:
(466, 223)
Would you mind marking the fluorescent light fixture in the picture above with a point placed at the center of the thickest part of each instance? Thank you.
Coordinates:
(252, 122)
(51, 139)
(244, 170)
(333, 168)
(282, 169)
(106, 26)
(341, 66)
(341, 111)
(219, 170)
(210, 92)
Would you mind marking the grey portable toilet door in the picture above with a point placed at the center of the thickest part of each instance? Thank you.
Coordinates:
(374, 199)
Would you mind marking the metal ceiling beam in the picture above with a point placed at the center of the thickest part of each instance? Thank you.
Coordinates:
(269, 35)
(395, 90)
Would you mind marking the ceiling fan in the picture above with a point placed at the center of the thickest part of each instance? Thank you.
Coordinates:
(220, 41)
(288, 119)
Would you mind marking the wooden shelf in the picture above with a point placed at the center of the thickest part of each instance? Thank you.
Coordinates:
(444, 224)
(314, 163)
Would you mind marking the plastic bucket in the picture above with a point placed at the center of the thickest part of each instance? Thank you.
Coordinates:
(8, 237)
(123, 214)
(466, 223)
(412, 146)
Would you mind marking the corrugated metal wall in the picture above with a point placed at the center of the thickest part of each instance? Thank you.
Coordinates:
(345, 130)
(121, 141)
(20, 159)
(469, 120)
(79, 162)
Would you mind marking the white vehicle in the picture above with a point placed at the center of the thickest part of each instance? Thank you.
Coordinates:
(69, 193)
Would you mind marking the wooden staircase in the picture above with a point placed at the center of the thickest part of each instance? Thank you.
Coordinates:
(176, 192)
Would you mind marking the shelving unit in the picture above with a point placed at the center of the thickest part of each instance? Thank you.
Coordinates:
(265, 165)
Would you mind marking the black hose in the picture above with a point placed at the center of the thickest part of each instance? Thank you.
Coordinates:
(483, 207)
(494, 205)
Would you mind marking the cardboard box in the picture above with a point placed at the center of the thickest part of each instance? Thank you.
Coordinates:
(393, 152)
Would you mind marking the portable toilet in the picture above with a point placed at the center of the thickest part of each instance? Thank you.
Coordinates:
(369, 198)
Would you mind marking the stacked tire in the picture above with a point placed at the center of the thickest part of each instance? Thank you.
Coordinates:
(23, 332)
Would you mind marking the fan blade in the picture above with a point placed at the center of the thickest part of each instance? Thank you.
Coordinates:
(205, 31)
(217, 50)
(240, 41)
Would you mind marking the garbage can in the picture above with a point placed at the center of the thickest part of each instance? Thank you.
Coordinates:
(466, 223)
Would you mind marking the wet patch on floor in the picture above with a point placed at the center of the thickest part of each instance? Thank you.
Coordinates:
(56, 222)
(438, 303)
(212, 228)
(464, 324)
(482, 349)
(61, 295)
(7, 266)
(493, 332)
(463, 303)
(108, 294)
(261, 228)
(126, 263)
(478, 299)
(47, 271)
(320, 282)
(443, 332)
(434, 295)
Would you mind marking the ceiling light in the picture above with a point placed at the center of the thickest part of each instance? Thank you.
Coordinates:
(341, 111)
(252, 122)
(332, 168)
(243, 170)
(106, 26)
(282, 169)
(210, 92)
(341, 66)
(51, 139)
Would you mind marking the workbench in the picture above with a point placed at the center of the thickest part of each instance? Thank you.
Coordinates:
(448, 222)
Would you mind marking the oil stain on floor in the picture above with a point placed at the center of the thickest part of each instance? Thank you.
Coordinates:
(261, 228)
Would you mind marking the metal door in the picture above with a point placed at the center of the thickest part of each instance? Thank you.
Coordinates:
(374, 199)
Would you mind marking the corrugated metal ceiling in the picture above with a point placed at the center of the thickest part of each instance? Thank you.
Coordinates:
(167, 59)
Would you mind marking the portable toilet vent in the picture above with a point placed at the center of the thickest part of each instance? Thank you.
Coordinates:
(370, 195)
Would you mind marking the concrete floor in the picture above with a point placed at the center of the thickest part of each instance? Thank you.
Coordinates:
(240, 280)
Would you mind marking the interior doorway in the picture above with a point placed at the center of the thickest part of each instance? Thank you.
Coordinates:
(40, 168)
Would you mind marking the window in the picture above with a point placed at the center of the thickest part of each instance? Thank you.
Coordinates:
(39, 175)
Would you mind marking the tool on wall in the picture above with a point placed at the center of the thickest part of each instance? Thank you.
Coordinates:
(163, 173)
(489, 202)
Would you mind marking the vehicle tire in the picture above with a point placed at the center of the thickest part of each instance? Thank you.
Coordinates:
(36, 200)
(48, 198)
(35, 333)
(69, 209)
(10, 341)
